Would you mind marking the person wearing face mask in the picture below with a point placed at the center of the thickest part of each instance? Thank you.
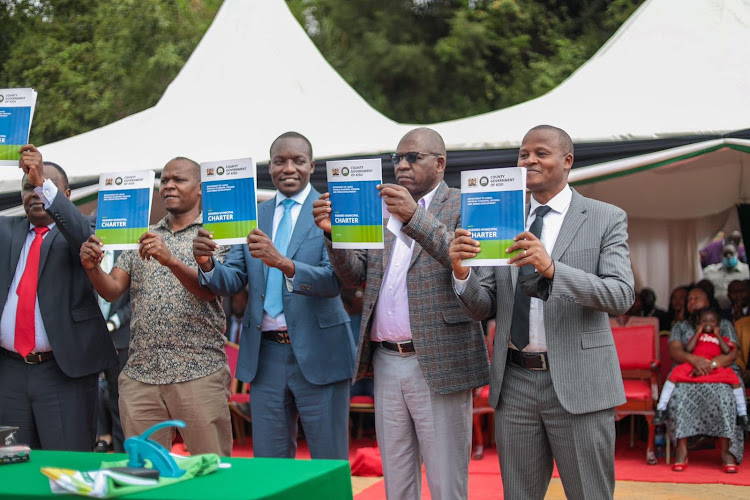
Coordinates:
(721, 275)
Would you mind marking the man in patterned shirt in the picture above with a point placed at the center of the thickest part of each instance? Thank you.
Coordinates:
(177, 366)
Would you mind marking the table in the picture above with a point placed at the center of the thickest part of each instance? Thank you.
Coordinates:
(248, 478)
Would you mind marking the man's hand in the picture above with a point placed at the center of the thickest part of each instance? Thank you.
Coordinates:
(91, 253)
(31, 164)
(322, 212)
(152, 246)
(462, 247)
(532, 252)
(204, 248)
(261, 247)
(399, 201)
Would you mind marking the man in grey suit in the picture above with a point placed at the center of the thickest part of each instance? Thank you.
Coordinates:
(296, 348)
(427, 355)
(555, 377)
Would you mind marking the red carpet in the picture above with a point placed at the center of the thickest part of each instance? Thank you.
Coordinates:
(630, 465)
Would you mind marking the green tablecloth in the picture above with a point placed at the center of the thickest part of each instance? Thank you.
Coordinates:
(248, 478)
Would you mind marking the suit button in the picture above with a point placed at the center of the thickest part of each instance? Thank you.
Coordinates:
(258, 327)
(262, 296)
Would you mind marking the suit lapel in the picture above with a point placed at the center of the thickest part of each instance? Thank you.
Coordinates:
(305, 222)
(572, 222)
(436, 205)
(46, 244)
(390, 239)
(265, 224)
(20, 231)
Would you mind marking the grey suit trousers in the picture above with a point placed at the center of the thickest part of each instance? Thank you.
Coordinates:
(414, 423)
(532, 429)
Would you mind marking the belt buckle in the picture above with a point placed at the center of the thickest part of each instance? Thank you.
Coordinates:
(33, 361)
(544, 364)
(282, 338)
(400, 349)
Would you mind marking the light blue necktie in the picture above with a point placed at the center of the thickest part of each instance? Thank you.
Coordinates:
(274, 303)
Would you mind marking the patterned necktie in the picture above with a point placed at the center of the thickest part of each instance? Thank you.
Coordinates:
(274, 303)
(25, 328)
(519, 327)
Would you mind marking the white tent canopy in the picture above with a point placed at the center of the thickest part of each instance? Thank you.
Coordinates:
(674, 68)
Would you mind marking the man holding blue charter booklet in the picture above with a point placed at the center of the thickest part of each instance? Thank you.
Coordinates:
(426, 353)
(296, 347)
(555, 377)
(177, 367)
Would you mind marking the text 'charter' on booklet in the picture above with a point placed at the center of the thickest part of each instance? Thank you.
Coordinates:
(16, 112)
(124, 208)
(229, 199)
(356, 207)
(492, 209)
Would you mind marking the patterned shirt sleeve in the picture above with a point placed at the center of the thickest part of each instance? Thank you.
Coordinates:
(125, 261)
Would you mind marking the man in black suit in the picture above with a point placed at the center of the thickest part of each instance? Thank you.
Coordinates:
(49, 390)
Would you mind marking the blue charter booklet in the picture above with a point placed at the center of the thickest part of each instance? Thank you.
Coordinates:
(16, 111)
(229, 199)
(124, 208)
(493, 210)
(357, 210)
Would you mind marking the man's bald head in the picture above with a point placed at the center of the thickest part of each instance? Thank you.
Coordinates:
(430, 139)
(566, 143)
(195, 166)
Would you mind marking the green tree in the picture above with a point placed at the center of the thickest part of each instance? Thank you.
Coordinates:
(431, 60)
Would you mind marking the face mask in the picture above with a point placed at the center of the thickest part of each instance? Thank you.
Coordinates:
(730, 262)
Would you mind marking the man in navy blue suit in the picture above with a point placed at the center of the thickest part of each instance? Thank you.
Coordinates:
(296, 348)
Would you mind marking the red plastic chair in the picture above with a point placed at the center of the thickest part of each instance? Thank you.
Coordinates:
(240, 397)
(638, 352)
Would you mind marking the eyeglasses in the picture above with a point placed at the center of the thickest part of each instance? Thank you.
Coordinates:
(411, 157)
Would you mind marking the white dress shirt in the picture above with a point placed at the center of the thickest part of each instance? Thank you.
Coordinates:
(47, 193)
(391, 322)
(550, 230)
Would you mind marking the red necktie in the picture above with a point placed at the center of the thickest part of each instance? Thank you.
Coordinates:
(25, 334)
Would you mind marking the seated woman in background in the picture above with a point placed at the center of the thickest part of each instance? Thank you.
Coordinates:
(708, 343)
(704, 409)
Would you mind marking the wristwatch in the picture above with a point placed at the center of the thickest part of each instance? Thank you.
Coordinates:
(714, 364)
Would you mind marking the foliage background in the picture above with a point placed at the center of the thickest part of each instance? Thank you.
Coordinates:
(416, 61)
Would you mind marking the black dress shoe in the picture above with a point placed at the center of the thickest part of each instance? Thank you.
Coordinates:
(660, 418)
(102, 447)
(743, 422)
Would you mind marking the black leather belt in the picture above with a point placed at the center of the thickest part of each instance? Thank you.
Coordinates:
(33, 358)
(537, 361)
(399, 347)
(280, 336)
